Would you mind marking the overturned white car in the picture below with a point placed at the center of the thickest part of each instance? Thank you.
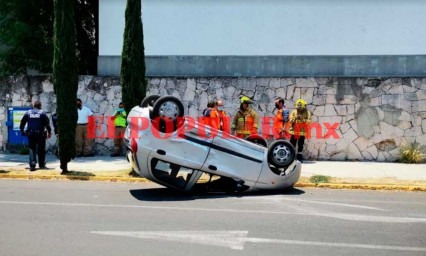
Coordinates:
(184, 154)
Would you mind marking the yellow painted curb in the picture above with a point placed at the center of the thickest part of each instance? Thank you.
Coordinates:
(129, 179)
(363, 186)
(71, 177)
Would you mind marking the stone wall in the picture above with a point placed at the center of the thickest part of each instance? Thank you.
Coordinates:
(101, 95)
(374, 116)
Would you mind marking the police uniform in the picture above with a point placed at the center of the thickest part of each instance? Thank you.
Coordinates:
(38, 123)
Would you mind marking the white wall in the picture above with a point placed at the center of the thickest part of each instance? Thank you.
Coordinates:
(270, 27)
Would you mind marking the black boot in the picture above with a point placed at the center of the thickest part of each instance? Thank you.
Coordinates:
(64, 166)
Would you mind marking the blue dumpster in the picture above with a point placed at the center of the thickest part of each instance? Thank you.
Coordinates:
(14, 116)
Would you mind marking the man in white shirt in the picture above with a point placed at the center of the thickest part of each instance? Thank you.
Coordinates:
(81, 131)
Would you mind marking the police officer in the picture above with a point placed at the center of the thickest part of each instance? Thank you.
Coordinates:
(38, 123)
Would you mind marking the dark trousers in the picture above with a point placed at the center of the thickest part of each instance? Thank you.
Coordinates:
(37, 145)
(118, 139)
(300, 140)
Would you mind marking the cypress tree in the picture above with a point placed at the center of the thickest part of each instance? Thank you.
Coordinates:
(133, 57)
(65, 77)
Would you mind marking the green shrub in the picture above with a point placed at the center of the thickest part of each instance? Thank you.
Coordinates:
(411, 153)
(319, 179)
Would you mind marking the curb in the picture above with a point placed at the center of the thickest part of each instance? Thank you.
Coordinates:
(141, 179)
(363, 186)
(71, 177)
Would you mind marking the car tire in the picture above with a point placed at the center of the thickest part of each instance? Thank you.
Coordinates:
(149, 101)
(168, 108)
(281, 153)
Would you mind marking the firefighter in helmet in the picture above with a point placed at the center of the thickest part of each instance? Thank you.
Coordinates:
(245, 122)
(300, 118)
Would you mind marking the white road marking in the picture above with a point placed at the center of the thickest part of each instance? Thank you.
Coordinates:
(338, 204)
(232, 239)
(354, 217)
(237, 239)
(279, 199)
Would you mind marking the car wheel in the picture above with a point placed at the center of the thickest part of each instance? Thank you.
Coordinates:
(168, 108)
(149, 101)
(281, 153)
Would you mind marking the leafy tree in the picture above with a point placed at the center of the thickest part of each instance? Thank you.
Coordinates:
(133, 57)
(65, 77)
(26, 32)
(25, 36)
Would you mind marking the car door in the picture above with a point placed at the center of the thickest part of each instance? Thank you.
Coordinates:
(173, 175)
(175, 161)
(233, 157)
(184, 147)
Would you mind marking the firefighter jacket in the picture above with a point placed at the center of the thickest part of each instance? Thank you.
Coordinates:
(299, 122)
(245, 122)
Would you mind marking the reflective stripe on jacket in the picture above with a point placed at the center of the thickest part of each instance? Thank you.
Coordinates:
(245, 122)
(300, 122)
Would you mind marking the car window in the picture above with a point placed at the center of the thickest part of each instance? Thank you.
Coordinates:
(171, 174)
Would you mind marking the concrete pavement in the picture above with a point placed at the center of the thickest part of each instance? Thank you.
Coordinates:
(353, 174)
(89, 164)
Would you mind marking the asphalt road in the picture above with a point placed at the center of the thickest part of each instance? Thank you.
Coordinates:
(90, 218)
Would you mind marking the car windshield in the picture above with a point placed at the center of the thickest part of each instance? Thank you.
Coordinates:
(171, 174)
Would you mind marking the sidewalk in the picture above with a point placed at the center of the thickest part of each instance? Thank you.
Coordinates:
(391, 175)
(84, 164)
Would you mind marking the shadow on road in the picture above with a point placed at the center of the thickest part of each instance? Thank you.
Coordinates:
(166, 194)
(161, 194)
(289, 191)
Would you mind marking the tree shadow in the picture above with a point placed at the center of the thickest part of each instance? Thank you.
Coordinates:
(4, 171)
